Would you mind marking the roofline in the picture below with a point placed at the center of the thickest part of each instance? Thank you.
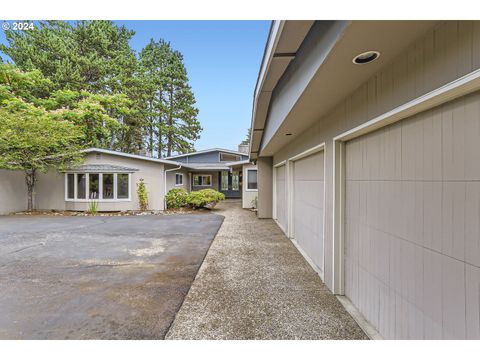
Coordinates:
(132, 156)
(206, 151)
(277, 30)
(270, 45)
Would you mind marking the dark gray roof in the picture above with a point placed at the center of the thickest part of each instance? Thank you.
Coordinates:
(101, 168)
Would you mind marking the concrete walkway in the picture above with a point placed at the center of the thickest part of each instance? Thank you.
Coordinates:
(254, 284)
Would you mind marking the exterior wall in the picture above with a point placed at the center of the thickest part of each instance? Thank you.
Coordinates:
(50, 190)
(209, 157)
(445, 53)
(171, 180)
(13, 191)
(248, 196)
(265, 188)
(214, 175)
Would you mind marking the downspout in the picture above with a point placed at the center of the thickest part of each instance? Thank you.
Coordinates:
(165, 192)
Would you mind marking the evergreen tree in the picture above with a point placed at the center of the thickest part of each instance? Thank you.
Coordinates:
(172, 124)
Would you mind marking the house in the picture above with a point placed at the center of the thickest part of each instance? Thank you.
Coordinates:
(366, 135)
(220, 169)
(110, 177)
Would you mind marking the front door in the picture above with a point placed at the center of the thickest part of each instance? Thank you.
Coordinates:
(230, 183)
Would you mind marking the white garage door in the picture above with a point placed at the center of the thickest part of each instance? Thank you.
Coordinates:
(281, 196)
(412, 220)
(308, 206)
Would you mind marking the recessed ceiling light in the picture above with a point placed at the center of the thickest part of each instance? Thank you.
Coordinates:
(366, 57)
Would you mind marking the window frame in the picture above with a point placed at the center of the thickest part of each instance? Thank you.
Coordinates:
(246, 173)
(202, 175)
(181, 177)
(100, 190)
(237, 157)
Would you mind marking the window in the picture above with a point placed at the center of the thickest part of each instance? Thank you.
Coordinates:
(122, 186)
(81, 183)
(235, 180)
(90, 186)
(93, 186)
(202, 180)
(224, 185)
(107, 180)
(178, 179)
(70, 186)
(252, 179)
(229, 157)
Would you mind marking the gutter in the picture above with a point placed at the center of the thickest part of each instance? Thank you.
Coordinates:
(165, 184)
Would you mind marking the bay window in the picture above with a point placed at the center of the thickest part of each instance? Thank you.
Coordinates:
(94, 186)
(122, 186)
(97, 186)
(107, 183)
(81, 183)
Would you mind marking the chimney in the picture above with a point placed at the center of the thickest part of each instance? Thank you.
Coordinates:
(243, 148)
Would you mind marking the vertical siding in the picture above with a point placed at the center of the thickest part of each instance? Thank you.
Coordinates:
(446, 52)
(412, 229)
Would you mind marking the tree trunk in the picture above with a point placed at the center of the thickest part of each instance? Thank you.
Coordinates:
(170, 125)
(30, 179)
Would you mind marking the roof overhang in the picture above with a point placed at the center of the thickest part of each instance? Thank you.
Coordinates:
(320, 75)
(284, 39)
(126, 155)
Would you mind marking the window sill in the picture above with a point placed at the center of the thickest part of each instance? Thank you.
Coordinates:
(97, 200)
(251, 190)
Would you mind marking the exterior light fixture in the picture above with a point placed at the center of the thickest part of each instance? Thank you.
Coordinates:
(366, 57)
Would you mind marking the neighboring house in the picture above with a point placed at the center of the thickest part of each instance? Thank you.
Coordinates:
(227, 171)
(110, 178)
(366, 135)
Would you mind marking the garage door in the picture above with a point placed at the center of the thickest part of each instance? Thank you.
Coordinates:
(281, 196)
(412, 220)
(308, 206)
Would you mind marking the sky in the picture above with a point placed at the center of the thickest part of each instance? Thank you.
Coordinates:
(222, 60)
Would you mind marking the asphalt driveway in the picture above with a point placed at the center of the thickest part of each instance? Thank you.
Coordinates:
(98, 277)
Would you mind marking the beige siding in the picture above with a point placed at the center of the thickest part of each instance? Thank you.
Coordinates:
(445, 53)
(171, 179)
(248, 196)
(13, 191)
(412, 223)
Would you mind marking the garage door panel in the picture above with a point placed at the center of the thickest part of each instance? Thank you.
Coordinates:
(309, 193)
(412, 228)
(308, 206)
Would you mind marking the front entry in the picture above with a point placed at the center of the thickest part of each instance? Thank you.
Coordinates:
(230, 183)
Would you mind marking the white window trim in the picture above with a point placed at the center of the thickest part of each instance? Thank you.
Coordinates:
(181, 184)
(220, 157)
(100, 197)
(209, 175)
(246, 177)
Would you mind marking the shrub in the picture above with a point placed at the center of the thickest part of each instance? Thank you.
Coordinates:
(176, 198)
(204, 197)
(92, 207)
(142, 194)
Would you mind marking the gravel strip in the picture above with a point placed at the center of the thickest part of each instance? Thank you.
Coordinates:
(254, 284)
